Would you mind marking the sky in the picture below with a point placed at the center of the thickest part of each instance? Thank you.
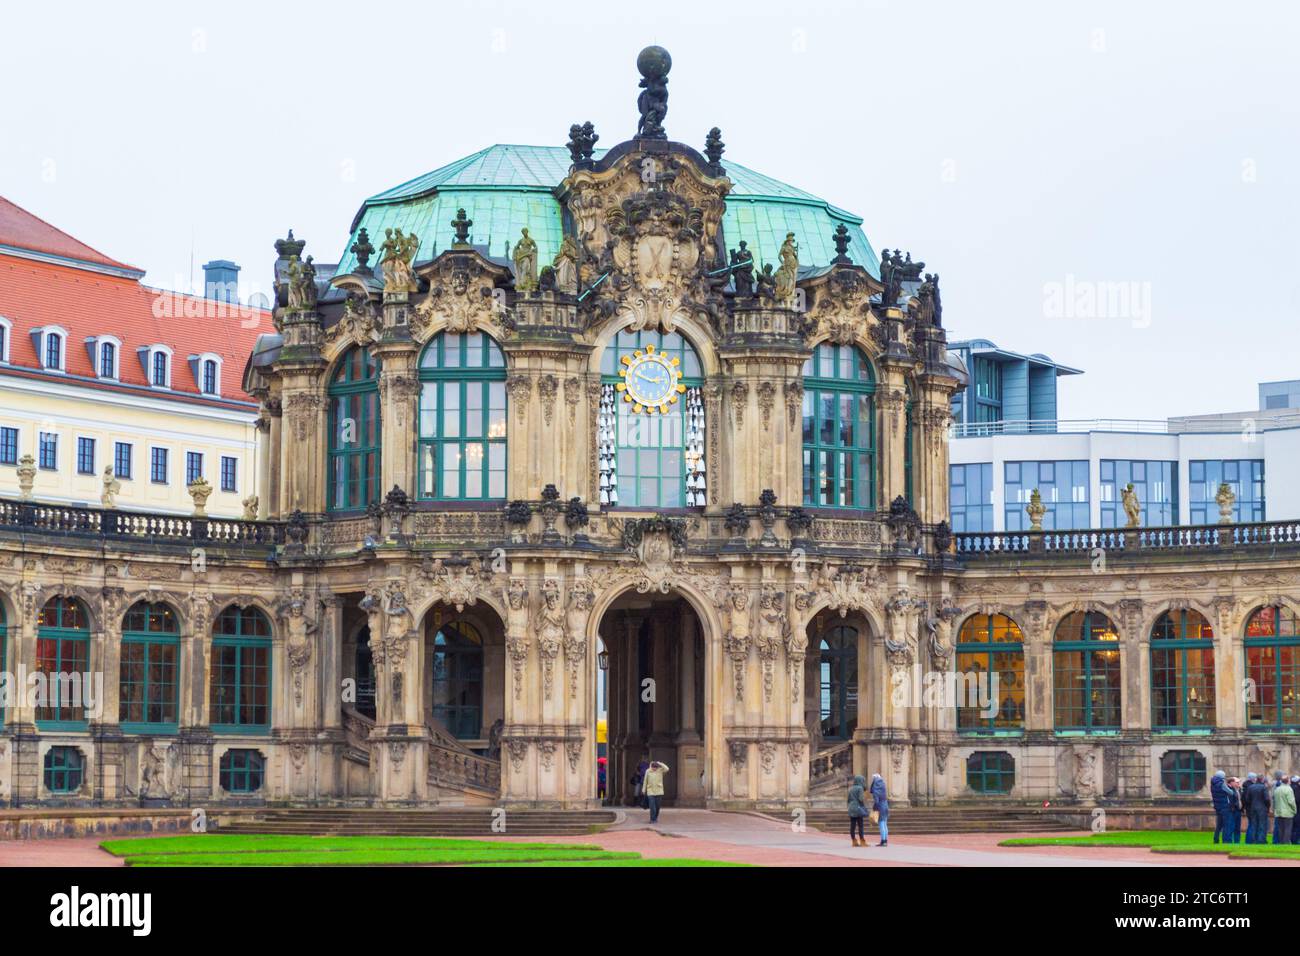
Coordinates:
(1116, 185)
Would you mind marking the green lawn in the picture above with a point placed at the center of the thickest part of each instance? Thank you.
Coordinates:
(216, 849)
(1168, 841)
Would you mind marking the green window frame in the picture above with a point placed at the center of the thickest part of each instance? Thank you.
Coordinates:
(991, 772)
(354, 451)
(64, 769)
(463, 418)
(650, 451)
(148, 676)
(839, 682)
(63, 655)
(989, 644)
(241, 770)
(839, 428)
(1273, 668)
(456, 687)
(1087, 674)
(1182, 672)
(240, 688)
(1183, 771)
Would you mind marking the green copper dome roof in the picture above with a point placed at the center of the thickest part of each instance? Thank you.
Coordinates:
(504, 188)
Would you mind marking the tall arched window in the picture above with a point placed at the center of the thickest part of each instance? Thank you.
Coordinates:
(839, 682)
(1182, 672)
(457, 684)
(148, 684)
(1086, 673)
(1273, 666)
(651, 457)
(462, 417)
(354, 432)
(63, 648)
(990, 648)
(240, 691)
(839, 429)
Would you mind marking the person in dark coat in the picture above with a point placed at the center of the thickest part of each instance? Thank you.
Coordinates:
(858, 810)
(1234, 810)
(1295, 789)
(1221, 799)
(880, 803)
(1256, 802)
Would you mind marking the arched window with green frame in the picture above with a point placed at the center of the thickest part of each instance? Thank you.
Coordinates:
(63, 652)
(462, 418)
(651, 456)
(839, 428)
(1273, 667)
(354, 432)
(991, 669)
(1086, 673)
(457, 685)
(239, 700)
(148, 684)
(1182, 672)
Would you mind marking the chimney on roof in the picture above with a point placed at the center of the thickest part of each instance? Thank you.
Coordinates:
(221, 281)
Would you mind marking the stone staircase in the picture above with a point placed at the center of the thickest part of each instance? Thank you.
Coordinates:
(949, 819)
(457, 775)
(345, 821)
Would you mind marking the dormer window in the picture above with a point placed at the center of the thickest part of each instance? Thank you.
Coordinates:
(206, 369)
(104, 352)
(156, 362)
(50, 342)
(6, 329)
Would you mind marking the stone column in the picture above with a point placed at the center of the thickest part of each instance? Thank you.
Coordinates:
(690, 754)
(1230, 668)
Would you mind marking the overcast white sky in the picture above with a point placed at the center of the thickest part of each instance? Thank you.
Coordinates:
(1029, 152)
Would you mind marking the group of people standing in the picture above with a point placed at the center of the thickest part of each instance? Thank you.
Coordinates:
(860, 812)
(1255, 798)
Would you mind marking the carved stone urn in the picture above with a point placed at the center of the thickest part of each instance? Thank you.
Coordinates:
(1035, 509)
(26, 477)
(199, 490)
(1226, 499)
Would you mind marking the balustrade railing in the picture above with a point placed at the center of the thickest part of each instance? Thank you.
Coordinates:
(1263, 534)
(831, 765)
(43, 517)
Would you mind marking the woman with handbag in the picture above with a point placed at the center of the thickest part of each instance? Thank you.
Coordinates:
(858, 810)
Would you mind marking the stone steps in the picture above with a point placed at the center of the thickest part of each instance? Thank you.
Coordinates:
(442, 823)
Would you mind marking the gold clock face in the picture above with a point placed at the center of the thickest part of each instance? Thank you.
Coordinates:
(651, 380)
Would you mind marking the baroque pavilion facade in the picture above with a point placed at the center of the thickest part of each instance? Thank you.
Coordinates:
(645, 419)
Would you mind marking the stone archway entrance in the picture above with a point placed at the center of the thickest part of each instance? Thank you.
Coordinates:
(653, 695)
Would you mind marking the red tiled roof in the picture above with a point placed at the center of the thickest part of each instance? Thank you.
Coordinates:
(87, 303)
(22, 230)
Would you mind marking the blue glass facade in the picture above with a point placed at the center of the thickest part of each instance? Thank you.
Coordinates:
(1156, 485)
(1063, 486)
(970, 497)
(1244, 475)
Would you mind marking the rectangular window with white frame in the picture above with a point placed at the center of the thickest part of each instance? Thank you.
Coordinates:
(85, 456)
(158, 466)
(8, 446)
(229, 473)
(193, 467)
(122, 460)
(48, 451)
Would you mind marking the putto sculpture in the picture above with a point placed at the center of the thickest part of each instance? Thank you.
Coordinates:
(654, 64)
(398, 254)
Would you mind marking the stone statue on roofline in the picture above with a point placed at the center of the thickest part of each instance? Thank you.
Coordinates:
(1132, 507)
(1036, 510)
(1225, 499)
(742, 270)
(398, 254)
(566, 266)
(525, 256)
(302, 284)
(112, 488)
(789, 270)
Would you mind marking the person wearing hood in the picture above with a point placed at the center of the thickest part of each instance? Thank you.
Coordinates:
(1222, 801)
(858, 811)
(1234, 810)
(880, 804)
